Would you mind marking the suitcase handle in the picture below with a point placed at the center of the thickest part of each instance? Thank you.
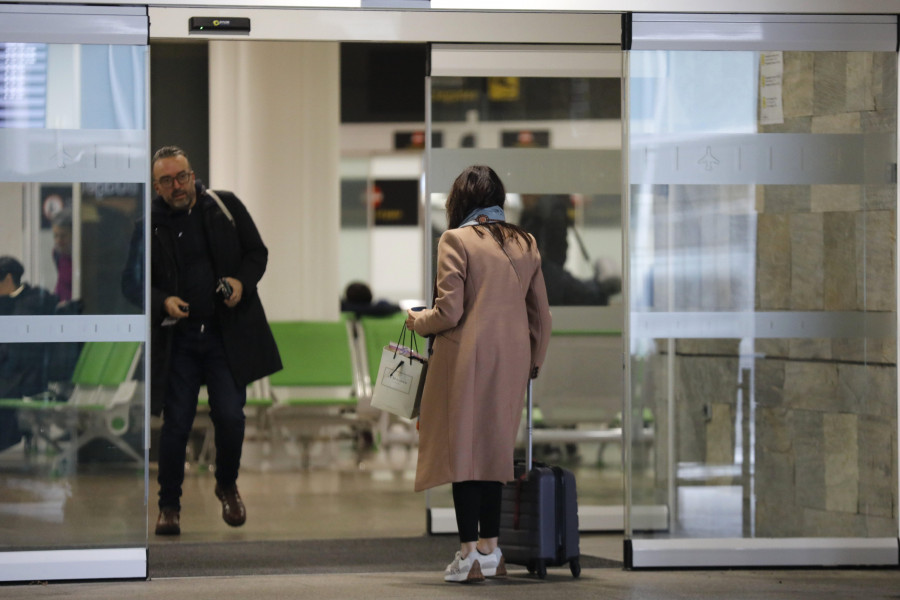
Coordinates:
(529, 428)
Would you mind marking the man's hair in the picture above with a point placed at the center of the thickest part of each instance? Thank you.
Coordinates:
(168, 152)
(10, 265)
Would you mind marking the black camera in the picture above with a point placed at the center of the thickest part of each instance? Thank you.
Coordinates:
(224, 289)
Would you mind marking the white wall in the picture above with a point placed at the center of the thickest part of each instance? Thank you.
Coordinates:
(277, 142)
(274, 122)
(12, 232)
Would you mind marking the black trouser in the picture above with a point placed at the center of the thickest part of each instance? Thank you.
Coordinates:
(198, 357)
(477, 503)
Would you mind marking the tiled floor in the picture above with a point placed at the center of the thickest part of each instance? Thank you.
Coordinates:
(105, 504)
(374, 499)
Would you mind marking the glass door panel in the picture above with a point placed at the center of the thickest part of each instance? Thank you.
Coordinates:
(73, 135)
(547, 120)
(762, 304)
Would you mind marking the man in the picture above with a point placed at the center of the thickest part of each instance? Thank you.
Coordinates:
(208, 325)
(547, 219)
(23, 367)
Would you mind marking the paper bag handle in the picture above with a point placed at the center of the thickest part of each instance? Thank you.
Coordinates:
(414, 345)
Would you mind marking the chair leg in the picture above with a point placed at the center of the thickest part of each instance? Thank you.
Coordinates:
(207, 453)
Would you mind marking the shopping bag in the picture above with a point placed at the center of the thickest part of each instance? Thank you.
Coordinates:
(398, 385)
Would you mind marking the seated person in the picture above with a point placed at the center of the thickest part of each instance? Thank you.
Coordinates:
(23, 367)
(358, 300)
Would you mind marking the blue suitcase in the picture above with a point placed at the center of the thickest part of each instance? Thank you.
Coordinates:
(539, 515)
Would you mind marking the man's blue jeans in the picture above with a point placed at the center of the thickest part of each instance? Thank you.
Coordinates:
(198, 358)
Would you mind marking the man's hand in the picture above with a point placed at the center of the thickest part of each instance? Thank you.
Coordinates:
(237, 289)
(176, 307)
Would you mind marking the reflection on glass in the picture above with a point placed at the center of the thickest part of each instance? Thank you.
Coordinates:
(72, 433)
(71, 412)
(756, 431)
(23, 85)
(525, 99)
(578, 235)
(505, 122)
(76, 239)
(555, 143)
(550, 219)
(23, 367)
(108, 217)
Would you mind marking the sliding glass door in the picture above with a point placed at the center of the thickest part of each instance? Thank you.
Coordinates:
(761, 297)
(547, 120)
(73, 175)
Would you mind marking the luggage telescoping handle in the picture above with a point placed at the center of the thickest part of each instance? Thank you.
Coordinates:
(529, 428)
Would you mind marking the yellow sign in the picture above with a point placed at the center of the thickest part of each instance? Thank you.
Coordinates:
(503, 89)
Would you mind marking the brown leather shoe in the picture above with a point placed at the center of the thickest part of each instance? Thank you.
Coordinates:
(169, 521)
(233, 511)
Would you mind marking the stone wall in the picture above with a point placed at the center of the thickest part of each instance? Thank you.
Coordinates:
(825, 420)
(826, 417)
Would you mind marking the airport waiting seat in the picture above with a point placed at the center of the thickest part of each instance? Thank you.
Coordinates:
(104, 391)
(105, 412)
(38, 413)
(581, 380)
(579, 394)
(315, 394)
(259, 401)
(378, 332)
(375, 334)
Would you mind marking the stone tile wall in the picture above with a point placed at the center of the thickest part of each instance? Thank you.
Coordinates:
(825, 409)
(826, 419)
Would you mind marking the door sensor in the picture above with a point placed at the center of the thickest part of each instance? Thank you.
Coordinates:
(219, 25)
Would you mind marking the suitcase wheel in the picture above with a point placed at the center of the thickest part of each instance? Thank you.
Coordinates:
(541, 568)
(575, 567)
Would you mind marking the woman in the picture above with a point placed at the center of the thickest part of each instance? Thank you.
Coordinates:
(62, 253)
(491, 323)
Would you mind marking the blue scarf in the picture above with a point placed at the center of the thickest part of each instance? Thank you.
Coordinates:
(491, 213)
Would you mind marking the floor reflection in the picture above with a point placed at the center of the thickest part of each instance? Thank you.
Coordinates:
(104, 504)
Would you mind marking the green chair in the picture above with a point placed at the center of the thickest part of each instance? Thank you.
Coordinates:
(259, 401)
(315, 393)
(104, 392)
(38, 412)
(376, 333)
(318, 369)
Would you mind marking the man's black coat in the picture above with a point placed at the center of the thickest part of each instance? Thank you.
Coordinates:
(236, 250)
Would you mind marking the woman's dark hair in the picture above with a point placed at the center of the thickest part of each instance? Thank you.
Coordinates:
(479, 186)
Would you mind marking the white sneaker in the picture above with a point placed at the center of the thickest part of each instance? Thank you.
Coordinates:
(493, 564)
(464, 570)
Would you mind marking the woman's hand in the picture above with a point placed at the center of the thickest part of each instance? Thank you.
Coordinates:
(410, 319)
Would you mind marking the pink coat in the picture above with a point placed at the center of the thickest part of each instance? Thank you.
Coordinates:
(492, 327)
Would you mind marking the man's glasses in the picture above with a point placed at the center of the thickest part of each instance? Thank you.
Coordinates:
(166, 181)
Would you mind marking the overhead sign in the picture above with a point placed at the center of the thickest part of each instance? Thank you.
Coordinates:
(526, 138)
(23, 85)
(415, 140)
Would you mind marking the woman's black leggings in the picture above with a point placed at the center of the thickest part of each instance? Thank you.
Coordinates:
(477, 503)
